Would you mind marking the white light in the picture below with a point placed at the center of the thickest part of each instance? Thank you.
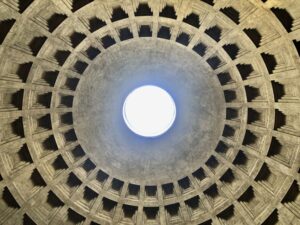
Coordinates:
(149, 111)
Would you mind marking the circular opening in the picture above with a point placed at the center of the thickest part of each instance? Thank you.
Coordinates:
(149, 111)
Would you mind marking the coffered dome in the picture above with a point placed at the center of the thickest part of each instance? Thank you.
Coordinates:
(232, 154)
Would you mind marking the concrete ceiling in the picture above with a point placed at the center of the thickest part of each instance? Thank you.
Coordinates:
(232, 156)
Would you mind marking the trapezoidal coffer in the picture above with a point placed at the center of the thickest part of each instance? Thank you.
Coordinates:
(212, 138)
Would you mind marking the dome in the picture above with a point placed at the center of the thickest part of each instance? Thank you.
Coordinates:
(68, 153)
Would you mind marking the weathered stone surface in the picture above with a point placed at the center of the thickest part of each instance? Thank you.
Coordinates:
(232, 157)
